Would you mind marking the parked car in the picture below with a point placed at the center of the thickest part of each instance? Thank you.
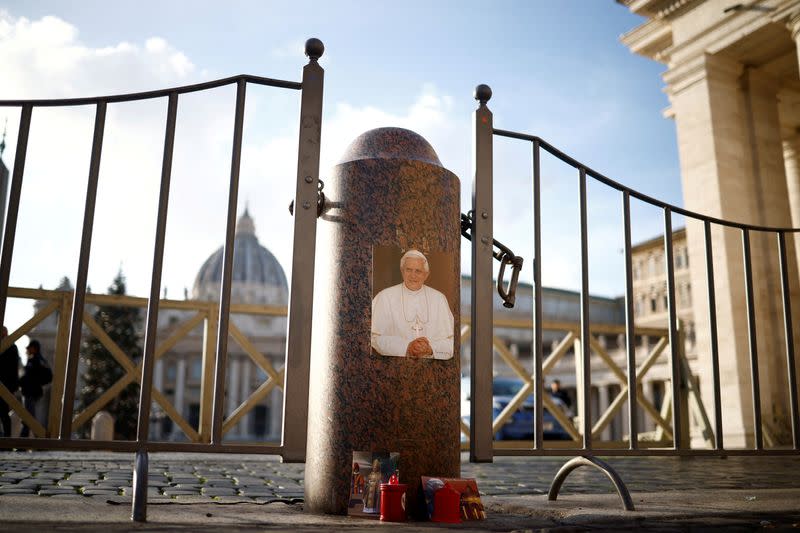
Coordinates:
(519, 426)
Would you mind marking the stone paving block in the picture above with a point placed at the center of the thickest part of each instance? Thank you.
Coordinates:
(289, 495)
(249, 480)
(115, 486)
(219, 483)
(53, 492)
(17, 490)
(83, 477)
(185, 481)
(193, 498)
(257, 493)
(32, 482)
(49, 475)
(232, 499)
(70, 483)
(170, 491)
(219, 491)
(99, 492)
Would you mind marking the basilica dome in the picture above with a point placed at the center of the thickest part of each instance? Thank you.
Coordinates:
(257, 276)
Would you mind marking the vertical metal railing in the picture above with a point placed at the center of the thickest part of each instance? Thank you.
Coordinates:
(301, 296)
(630, 338)
(139, 511)
(712, 327)
(538, 351)
(674, 349)
(481, 349)
(585, 355)
(227, 269)
(752, 340)
(788, 325)
(76, 323)
(13, 205)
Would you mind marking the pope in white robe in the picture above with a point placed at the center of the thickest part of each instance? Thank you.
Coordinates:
(411, 319)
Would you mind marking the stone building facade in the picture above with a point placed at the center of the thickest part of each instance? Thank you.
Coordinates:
(734, 91)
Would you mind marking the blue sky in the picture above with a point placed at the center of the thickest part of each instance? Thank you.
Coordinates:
(557, 70)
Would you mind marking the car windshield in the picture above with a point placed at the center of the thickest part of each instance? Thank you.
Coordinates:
(506, 388)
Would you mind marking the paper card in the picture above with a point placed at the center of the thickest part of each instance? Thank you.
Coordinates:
(471, 505)
(370, 469)
(413, 303)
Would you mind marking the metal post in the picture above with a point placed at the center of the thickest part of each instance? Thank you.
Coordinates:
(140, 472)
(789, 336)
(79, 297)
(752, 339)
(537, 299)
(227, 269)
(480, 425)
(630, 338)
(586, 372)
(301, 296)
(674, 339)
(139, 511)
(13, 205)
(712, 321)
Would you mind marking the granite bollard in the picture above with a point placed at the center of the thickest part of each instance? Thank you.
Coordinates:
(388, 194)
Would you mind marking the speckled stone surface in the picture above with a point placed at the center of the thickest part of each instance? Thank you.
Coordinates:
(390, 182)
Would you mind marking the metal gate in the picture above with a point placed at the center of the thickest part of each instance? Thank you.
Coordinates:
(483, 426)
(293, 378)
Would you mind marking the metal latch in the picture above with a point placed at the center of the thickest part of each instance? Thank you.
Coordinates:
(320, 199)
(505, 256)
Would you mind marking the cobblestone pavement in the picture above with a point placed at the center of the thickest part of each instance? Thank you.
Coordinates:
(264, 479)
(91, 492)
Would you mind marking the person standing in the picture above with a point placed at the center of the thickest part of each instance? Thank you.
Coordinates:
(557, 392)
(9, 376)
(37, 374)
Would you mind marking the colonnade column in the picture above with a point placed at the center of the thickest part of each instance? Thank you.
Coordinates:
(603, 401)
(732, 168)
(156, 430)
(233, 392)
(244, 425)
(180, 386)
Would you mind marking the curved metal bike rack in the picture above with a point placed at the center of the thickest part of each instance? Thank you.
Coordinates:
(572, 464)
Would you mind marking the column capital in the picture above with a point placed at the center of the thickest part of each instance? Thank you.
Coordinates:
(704, 67)
(793, 23)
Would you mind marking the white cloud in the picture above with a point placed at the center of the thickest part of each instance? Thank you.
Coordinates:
(48, 60)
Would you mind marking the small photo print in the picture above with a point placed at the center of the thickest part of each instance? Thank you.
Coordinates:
(412, 312)
(370, 469)
(471, 505)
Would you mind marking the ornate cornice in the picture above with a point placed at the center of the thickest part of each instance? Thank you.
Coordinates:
(649, 40)
(658, 9)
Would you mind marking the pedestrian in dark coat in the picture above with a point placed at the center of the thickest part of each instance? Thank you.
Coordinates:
(37, 374)
(9, 376)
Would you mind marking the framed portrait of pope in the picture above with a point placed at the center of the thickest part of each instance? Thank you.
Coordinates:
(411, 317)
